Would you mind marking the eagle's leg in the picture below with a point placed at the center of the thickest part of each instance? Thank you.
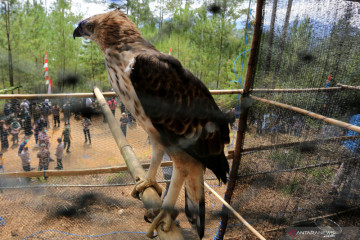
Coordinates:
(168, 213)
(150, 178)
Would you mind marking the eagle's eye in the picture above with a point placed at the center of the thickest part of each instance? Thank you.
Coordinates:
(90, 27)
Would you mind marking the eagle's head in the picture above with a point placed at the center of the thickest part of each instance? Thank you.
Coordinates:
(110, 29)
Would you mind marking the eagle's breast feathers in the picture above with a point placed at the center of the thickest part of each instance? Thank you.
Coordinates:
(119, 66)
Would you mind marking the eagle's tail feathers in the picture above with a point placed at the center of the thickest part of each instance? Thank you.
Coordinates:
(195, 206)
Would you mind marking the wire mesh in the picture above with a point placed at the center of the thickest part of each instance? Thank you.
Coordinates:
(312, 44)
(277, 187)
(82, 207)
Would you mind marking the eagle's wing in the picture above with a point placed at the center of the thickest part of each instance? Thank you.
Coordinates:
(182, 109)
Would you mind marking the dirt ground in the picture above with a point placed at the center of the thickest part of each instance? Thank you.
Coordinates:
(103, 152)
(88, 212)
(267, 202)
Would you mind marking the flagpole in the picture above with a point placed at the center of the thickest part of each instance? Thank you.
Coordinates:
(46, 68)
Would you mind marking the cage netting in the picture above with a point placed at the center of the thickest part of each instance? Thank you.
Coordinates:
(295, 168)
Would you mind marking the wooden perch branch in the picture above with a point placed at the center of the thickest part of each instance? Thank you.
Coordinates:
(251, 228)
(213, 92)
(309, 113)
(76, 172)
(349, 87)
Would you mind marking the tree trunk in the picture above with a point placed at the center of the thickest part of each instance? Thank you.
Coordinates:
(7, 26)
(178, 43)
(3, 77)
(92, 61)
(283, 36)
(220, 57)
(271, 38)
(220, 52)
(64, 43)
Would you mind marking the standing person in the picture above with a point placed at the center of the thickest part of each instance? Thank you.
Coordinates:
(37, 130)
(42, 122)
(86, 122)
(36, 113)
(123, 122)
(328, 95)
(27, 124)
(44, 138)
(15, 129)
(112, 105)
(45, 112)
(22, 145)
(25, 104)
(67, 112)
(7, 109)
(122, 107)
(2, 161)
(67, 137)
(25, 159)
(4, 136)
(44, 158)
(59, 153)
(56, 114)
(348, 172)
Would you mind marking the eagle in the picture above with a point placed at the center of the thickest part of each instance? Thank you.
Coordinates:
(173, 106)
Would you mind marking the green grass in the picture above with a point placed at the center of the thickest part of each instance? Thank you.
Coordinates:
(284, 159)
(294, 187)
(113, 179)
(321, 174)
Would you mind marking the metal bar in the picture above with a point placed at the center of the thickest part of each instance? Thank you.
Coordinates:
(149, 197)
(309, 113)
(253, 230)
(240, 137)
(349, 87)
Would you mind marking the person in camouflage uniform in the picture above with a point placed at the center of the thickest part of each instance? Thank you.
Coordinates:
(36, 113)
(59, 154)
(56, 114)
(67, 137)
(44, 158)
(67, 112)
(86, 122)
(44, 138)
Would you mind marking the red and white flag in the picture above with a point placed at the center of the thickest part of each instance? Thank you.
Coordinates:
(46, 69)
(170, 51)
(50, 87)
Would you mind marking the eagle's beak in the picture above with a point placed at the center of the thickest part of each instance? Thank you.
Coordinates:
(77, 32)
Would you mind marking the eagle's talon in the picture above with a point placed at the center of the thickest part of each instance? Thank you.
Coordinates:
(165, 218)
(151, 214)
(144, 183)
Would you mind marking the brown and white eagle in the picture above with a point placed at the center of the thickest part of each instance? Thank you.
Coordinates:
(173, 106)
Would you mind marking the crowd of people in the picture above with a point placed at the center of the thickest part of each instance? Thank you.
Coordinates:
(32, 117)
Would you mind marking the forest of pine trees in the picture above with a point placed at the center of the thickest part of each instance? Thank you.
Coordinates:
(206, 36)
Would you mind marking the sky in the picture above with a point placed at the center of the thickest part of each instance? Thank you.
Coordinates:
(323, 11)
(84, 7)
(326, 12)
